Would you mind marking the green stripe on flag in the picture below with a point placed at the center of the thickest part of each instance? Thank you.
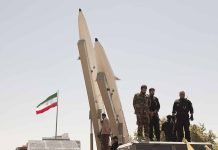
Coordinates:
(49, 98)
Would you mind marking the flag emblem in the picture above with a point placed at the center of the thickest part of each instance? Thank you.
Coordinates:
(50, 102)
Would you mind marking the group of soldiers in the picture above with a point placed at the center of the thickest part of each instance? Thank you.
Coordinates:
(146, 108)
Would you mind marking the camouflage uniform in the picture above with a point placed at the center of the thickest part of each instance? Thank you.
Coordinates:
(141, 104)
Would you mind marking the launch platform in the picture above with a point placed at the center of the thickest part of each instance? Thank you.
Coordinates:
(163, 146)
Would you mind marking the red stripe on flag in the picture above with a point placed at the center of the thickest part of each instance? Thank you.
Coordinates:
(46, 108)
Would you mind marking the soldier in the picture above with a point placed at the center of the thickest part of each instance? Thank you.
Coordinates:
(105, 132)
(154, 117)
(182, 108)
(141, 105)
(167, 128)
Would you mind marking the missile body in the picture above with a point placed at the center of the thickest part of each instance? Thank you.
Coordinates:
(87, 57)
(100, 84)
(115, 108)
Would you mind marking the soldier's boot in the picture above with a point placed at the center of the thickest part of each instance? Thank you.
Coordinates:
(146, 138)
(140, 139)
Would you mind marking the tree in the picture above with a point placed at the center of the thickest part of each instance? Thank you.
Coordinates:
(199, 134)
(215, 147)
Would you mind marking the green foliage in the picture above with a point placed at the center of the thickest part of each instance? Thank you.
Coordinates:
(199, 134)
(134, 137)
(162, 135)
(215, 147)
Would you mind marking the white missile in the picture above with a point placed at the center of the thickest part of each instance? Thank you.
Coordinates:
(85, 35)
(116, 111)
(87, 57)
(100, 84)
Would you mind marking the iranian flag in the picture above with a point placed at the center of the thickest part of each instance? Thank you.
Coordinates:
(50, 102)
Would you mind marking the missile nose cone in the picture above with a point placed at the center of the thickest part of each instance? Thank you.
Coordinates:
(80, 9)
(96, 39)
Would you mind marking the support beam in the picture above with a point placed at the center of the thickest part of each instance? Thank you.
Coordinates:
(107, 99)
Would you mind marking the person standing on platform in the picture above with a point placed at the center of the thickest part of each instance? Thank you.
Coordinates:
(183, 110)
(105, 132)
(167, 128)
(141, 106)
(154, 126)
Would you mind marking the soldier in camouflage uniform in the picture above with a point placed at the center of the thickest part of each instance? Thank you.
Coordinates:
(141, 105)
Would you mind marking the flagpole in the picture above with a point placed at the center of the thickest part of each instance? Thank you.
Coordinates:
(56, 125)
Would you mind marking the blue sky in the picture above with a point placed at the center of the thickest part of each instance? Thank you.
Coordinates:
(168, 45)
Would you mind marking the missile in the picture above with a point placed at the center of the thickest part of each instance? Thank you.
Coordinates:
(104, 67)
